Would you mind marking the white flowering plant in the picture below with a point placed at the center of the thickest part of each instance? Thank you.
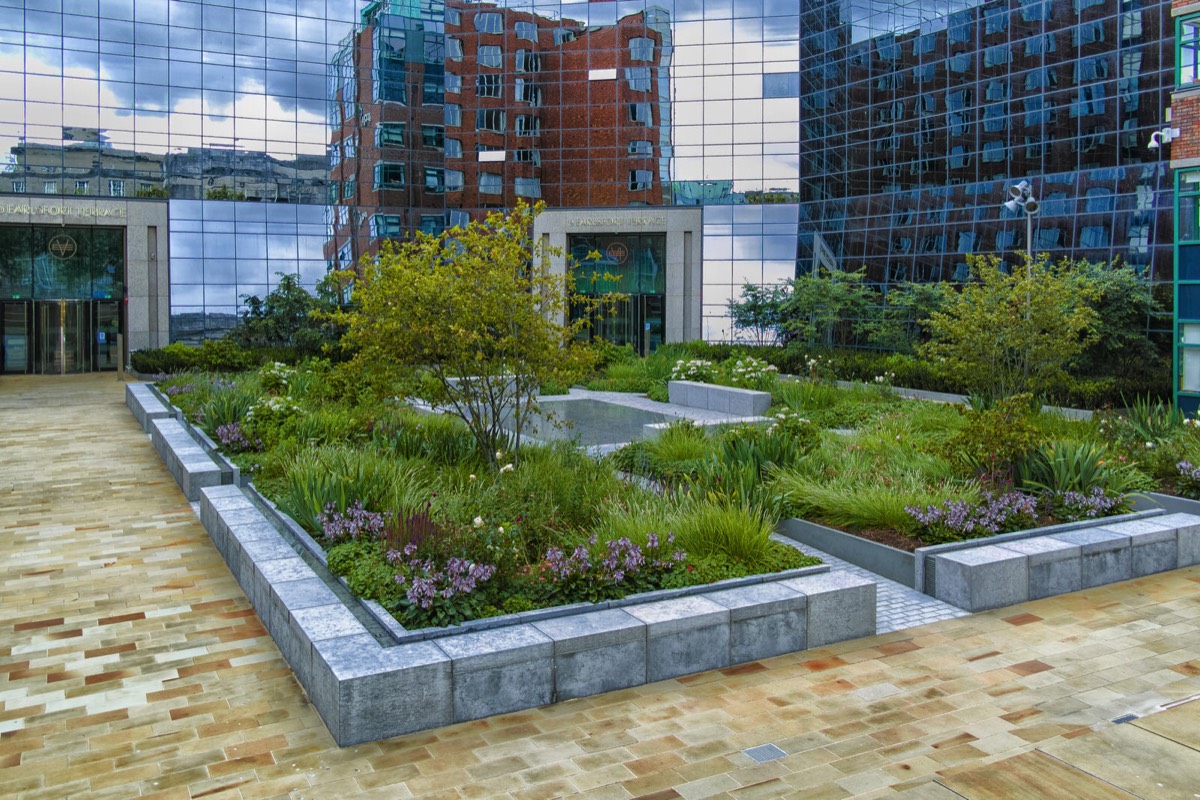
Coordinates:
(749, 372)
(695, 369)
(266, 419)
(276, 377)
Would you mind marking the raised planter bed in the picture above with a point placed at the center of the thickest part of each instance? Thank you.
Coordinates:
(370, 679)
(727, 399)
(1010, 568)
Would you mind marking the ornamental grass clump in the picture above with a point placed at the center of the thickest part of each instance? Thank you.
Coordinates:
(957, 520)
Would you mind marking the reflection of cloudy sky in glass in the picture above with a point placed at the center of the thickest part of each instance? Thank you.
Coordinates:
(165, 75)
(170, 74)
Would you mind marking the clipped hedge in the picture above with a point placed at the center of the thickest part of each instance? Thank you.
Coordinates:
(214, 355)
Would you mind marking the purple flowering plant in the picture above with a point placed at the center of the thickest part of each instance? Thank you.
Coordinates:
(353, 523)
(594, 572)
(439, 594)
(1188, 483)
(955, 520)
(1070, 506)
(232, 436)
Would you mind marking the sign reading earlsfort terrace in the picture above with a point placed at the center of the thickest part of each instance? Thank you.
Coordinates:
(617, 221)
(64, 211)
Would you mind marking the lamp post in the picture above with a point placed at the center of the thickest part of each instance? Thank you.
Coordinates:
(1021, 199)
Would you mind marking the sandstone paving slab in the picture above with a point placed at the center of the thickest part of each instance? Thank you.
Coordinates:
(1140, 762)
(1029, 775)
(1179, 724)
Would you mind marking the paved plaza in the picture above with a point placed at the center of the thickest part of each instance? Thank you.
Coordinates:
(131, 664)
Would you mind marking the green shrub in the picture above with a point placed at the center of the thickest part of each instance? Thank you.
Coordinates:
(222, 355)
(167, 360)
(993, 441)
(1065, 466)
(363, 564)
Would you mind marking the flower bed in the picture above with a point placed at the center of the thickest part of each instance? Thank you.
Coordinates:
(414, 519)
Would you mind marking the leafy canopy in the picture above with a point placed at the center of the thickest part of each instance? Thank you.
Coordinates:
(473, 321)
(1007, 333)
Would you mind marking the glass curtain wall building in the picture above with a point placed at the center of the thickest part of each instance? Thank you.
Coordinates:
(295, 136)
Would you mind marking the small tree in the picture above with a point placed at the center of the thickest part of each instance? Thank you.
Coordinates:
(759, 311)
(1003, 334)
(471, 320)
(1124, 302)
(899, 325)
(822, 308)
(287, 317)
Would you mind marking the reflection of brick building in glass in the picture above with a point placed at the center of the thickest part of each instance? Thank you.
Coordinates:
(549, 109)
(431, 127)
(386, 115)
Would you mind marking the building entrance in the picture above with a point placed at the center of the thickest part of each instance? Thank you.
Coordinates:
(630, 265)
(61, 298)
(59, 337)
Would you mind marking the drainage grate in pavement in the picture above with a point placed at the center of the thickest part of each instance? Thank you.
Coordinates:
(1125, 718)
(764, 753)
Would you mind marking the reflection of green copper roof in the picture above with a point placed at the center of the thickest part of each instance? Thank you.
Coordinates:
(414, 9)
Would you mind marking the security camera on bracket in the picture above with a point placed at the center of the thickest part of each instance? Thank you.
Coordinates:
(1165, 136)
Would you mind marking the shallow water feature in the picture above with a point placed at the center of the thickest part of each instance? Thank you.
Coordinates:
(593, 422)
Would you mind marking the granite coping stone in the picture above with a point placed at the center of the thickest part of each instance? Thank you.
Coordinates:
(665, 617)
(982, 578)
(288, 568)
(483, 650)
(303, 593)
(603, 628)
(145, 405)
(1137, 526)
(329, 621)
(726, 399)
(262, 530)
(749, 602)
(1044, 549)
(1187, 528)
(1055, 566)
(840, 606)
(1094, 540)
(267, 549)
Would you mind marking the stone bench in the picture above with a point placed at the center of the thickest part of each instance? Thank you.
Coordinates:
(145, 405)
(369, 685)
(185, 459)
(726, 399)
(1011, 572)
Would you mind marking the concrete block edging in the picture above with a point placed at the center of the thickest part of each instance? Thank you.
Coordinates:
(1003, 571)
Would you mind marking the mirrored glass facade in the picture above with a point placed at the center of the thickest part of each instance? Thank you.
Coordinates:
(849, 133)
